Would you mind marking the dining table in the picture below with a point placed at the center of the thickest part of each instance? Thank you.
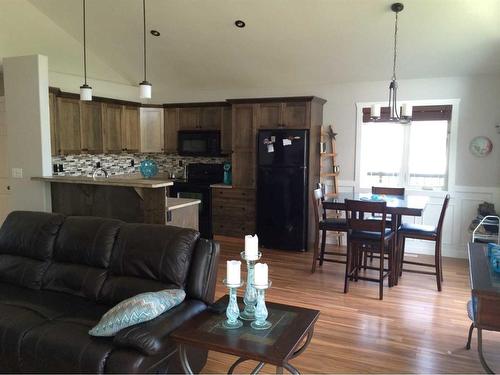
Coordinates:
(397, 206)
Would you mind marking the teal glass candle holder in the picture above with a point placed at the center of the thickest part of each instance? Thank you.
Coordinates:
(261, 312)
(232, 310)
(250, 297)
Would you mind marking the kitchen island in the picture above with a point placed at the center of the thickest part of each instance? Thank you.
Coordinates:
(130, 198)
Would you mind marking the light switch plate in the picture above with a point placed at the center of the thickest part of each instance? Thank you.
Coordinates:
(17, 173)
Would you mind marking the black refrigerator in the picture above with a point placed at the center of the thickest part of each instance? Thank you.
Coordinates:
(282, 176)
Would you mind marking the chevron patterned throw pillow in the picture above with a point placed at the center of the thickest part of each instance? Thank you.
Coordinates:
(137, 309)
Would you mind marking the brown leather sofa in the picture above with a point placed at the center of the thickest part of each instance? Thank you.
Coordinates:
(59, 275)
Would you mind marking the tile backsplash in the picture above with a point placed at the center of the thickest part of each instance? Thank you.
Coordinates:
(119, 164)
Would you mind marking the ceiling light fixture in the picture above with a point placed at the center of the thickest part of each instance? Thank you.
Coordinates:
(396, 114)
(144, 86)
(239, 23)
(85, 90)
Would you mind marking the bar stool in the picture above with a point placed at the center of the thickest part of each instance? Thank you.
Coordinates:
(325, 224)
(429, 233)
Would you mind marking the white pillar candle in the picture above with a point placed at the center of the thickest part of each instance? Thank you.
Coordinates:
(233, 272)
(261, 274)
(406, 110)
(375, 110)
(251, 247)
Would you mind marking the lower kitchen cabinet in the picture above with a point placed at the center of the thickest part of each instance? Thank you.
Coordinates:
(233, 211)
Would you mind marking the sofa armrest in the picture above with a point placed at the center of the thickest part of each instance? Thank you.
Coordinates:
(203, 272)
(153, 336)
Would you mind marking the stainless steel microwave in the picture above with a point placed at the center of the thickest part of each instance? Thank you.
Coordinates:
(198, 143)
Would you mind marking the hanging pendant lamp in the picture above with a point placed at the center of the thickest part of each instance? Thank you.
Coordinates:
(396, 114)
(144, 86)
(85, 90)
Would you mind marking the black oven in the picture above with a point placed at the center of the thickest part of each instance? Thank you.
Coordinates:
(198, 143)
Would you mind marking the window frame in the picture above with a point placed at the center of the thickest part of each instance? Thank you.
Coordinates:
(451, 145)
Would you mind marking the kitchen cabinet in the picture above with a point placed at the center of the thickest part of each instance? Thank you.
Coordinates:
(210, 118)
(91, 127)
(226, 132)
(291, 115)
(130, 129)
(189, 118)
(112, 128)
(171, 117)
(152, 128)
(233, 211)
(53, 121)
(68, 126)
(244, 117)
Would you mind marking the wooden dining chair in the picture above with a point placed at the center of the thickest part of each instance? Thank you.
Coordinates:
(429, 233)
(368, 235)
(324, 224)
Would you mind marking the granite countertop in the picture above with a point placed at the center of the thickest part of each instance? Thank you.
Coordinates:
(135, 180)
(176, 203)
(224, 186)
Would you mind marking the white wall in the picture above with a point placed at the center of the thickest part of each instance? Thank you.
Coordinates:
(28, 129)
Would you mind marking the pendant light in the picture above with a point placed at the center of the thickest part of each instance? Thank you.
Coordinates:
(144, 86)
(85, 90)
(402, 115)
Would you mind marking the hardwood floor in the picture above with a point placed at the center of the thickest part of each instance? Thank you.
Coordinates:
(415, 329)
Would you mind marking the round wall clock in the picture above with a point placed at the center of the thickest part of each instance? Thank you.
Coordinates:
(480, 146)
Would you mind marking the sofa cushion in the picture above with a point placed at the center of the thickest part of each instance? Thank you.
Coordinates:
(26, 246)
(148, 258)
(138, 309)
(81, 256)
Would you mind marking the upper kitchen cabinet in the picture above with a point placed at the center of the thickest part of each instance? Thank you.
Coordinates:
(270, 115)
(152, 128)
(226, 131)
(210, 118)
(171, 117)
(91, 127)
(296, 115)
(130, 129)
(112, 127)
(189, 118)
(68, 126)
(244, 126)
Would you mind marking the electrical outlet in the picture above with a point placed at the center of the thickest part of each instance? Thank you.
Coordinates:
(17, 173)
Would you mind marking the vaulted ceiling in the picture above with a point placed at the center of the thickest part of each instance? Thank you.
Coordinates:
(285, 42)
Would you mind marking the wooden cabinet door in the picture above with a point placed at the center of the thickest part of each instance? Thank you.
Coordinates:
(68, 126)
(112, 128)
(189, 118)
(244, 129)
(270, 115)
(210, 118)
(171, 127)
(91, 127)
(243, 169)
(54, 147)
(297, 115)
(131, 139)
(152, 129)
(226, 133)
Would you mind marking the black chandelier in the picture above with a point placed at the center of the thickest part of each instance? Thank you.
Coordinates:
(396, 114)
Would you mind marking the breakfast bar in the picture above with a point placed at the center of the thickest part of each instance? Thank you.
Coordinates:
(130, 198)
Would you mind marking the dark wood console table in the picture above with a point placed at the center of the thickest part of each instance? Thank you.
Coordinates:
(485, 285)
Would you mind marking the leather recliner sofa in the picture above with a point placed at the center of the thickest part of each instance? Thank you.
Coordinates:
(59, 275)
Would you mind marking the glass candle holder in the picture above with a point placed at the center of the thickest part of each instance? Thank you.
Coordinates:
(232, 310)
(261, 312)
(250, 297)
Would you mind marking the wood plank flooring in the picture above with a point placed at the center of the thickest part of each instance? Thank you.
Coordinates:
(415, 329)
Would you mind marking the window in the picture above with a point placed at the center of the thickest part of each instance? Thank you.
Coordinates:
(414, 155)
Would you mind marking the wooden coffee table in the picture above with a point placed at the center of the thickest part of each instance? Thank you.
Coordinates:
(276, 346)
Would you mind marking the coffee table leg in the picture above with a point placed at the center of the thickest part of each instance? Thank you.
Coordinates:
(240, 360)
(486, 368)
(291, 369)
(184, 360)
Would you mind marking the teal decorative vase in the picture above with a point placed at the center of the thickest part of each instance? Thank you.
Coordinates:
(148, 168)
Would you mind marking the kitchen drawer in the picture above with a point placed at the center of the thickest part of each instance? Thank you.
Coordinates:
(233, 229)
(224, 211)
(233, 193)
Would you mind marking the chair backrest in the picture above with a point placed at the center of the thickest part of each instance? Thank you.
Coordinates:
(388, 190)
(357, 221)
(317, 197)
(443, 213)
